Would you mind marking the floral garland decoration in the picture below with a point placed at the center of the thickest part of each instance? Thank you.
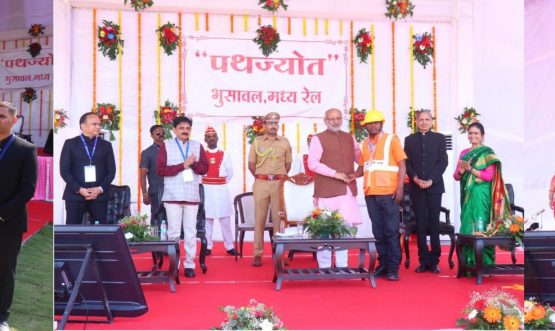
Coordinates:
(255, 316)
(60, 117)
(398, 8)
(28, 95)
(139, 5)
(354, 123)
(267, 39)
(422, 48)
(168, 38)
(537, 316)
(272, 5)
(468, 116)
(34, 49)
(364, 42)
(109, 117)
(109, 39)
(165, 116)
(255, 129)
(492, 310)
(36, 30)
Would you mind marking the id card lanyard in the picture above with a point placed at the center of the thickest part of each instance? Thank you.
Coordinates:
(89, 154)
(5, 149)
(372, 147)
(181, 149)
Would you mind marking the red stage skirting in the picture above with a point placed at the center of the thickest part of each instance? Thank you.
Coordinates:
(40, 213)
(417, 301)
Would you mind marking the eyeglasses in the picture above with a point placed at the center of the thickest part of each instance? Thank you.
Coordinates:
(336, 119)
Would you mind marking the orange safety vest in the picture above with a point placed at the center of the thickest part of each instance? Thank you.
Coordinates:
(381, 175)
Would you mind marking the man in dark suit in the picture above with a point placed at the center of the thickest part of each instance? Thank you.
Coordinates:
(427, 160)
(88, 167)
(18, 166)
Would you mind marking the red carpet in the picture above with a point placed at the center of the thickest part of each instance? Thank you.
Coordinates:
(39, 214)
(417, 301)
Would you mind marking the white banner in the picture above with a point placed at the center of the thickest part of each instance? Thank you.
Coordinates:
(19, 70)
(231, 77)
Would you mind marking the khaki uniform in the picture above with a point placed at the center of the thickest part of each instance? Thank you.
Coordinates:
(269, 156)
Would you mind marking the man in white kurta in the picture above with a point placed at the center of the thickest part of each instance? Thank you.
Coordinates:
(220, 171)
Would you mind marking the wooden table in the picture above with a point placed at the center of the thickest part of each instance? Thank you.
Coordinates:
(156, 275)
(281, 245)
(478, 243)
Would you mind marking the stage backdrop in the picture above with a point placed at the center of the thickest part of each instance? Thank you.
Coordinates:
(18, 70)
(219, 76)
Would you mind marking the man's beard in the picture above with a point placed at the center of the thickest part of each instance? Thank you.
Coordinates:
(334, 129)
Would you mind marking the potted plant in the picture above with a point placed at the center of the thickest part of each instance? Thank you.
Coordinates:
(136, 228)
(327, 224)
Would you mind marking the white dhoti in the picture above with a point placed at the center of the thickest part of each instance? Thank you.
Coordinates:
(218, 205)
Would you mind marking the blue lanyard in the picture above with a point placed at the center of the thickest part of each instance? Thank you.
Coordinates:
(8, 144)
(89, 154)
(181, 149)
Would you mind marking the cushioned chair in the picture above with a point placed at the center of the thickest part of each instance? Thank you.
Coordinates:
(244, 219)
(296, 200)
(118, 205)
(201, 232)
(511, 193)
(408, 221)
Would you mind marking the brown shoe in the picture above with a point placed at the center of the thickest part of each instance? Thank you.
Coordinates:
(257, 262)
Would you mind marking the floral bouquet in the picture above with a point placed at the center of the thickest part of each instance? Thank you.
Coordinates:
(28, 95)
(267, 39)
(109, 117)
(60, 117)
(468, 116)
(109, 39)
(36, 30)
(364, 42)
(34, 49)
(255, 316)
(359, 130)
(168, 38)
(165, 116)
(135, 228)
(422, 48)
(396, 8)
(490, 310)
(272, 5)
(324, 223)
(255, 129)
(513, 226)
(139, 5)
(538, 317)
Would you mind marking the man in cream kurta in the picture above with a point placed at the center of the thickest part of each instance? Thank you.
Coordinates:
(216, 191)
(181, 162)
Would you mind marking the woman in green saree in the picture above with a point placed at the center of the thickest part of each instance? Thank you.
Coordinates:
(484, 198)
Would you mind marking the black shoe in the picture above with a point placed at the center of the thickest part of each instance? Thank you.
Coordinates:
(189, 273)
(232, 252)
(380, 271)
(434, 268)
(208, 252)
(420, 269)
(393, 275)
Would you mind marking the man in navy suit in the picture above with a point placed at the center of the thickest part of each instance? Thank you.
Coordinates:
(427, 160)
(88, 167)
(18, 166)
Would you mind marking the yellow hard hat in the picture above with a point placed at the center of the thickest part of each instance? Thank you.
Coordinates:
(372, 116)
